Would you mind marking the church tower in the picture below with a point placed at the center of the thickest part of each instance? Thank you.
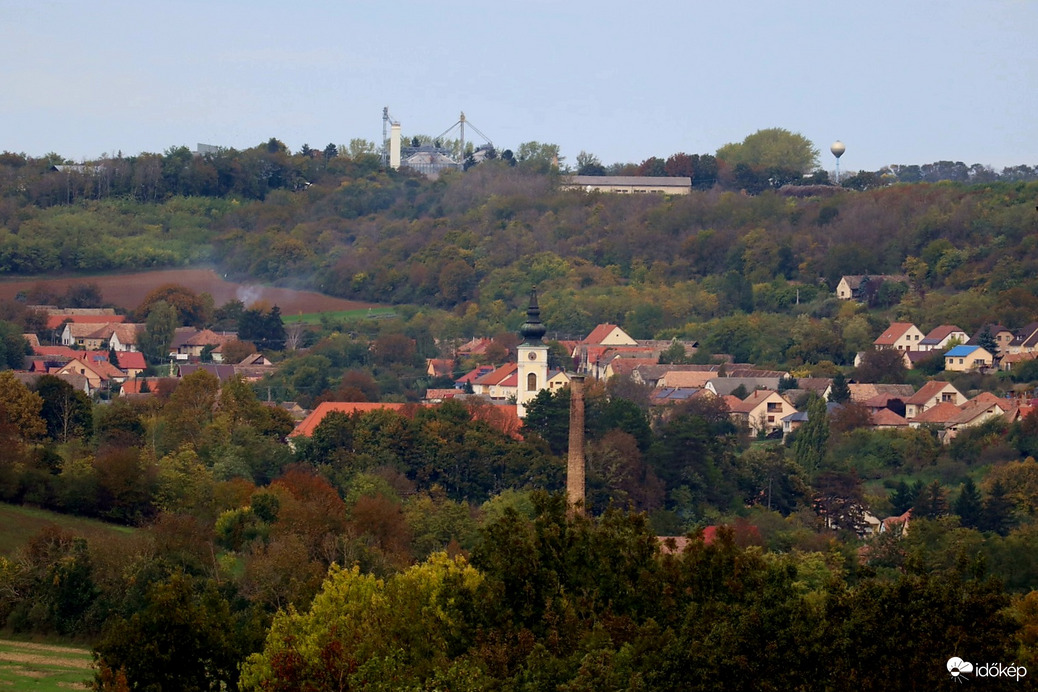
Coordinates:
(533, 357)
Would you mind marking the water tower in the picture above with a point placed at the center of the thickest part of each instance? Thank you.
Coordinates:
(837, 148)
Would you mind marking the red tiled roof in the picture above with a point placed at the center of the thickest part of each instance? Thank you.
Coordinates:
(55, 321)
(498, 376)
(884, 417)
(927, 392)
(894, 332)
(504, 418)
(939, 414)
(131, 360)
(598, 333)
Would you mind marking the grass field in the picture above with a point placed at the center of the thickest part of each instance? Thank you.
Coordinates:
(345, 315)
(45, 667)
(22, 523)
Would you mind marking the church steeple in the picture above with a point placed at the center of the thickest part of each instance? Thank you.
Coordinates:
(532, 372)
(532, 330)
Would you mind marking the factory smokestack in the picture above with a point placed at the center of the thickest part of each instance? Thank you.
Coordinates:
(575, 465)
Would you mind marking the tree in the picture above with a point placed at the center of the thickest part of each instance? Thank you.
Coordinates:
(809, 447)
(997, 513)
(882, 365)
(968, 505)
(408, 631)
(185, 638)
(839, 393)
(159, 329)
(538, 158)
(20, 410)
(930, 503)
(191, 309)
(839, 501)
(903, 497)
(588, 164)
(13, 347)
(67, 410)
(772, 148)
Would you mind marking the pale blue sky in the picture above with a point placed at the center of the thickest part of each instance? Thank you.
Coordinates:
(898, 81)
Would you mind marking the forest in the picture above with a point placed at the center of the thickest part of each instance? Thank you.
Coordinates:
(428, 549)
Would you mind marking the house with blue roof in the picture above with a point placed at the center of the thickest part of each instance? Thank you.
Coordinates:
(965, 357)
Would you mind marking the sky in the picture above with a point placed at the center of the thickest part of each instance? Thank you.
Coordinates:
(897, 81)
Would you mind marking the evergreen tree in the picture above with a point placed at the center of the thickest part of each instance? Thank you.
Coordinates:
(811, 438)
(986, 340)
(840, 393)
(968, 505)
(997, 514)
(903, 498)
(931, 502)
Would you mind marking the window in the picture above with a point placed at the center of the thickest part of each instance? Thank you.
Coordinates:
(774, 407)
(531, 382)
(946, 396)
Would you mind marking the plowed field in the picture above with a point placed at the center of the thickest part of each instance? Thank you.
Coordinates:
(128, 290)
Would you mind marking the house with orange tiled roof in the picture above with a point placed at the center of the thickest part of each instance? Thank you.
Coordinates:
(864, 391)
(884, 418)
(56, 319)
(503, 418)
(929, 395)
(190, 343)
(125, 337)
(476, 346)
(499, 383)
(761, 411)
(976, 411)
(99, 373)
(1009, 361)
(936, 416)
(439, 367)
(131, 362)
(903, 336)
(87, 335)
(470, 377)
(609, 335)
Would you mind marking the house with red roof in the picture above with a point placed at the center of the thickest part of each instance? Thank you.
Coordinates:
(132, 363)
(500, 383)
(976, 411)
(903, 336)
(884, 418)
(929, 395)
(762, 411)
(98, 373)
(439, 367)
(504, 418)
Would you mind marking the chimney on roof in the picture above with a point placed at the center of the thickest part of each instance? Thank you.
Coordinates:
(575, 465)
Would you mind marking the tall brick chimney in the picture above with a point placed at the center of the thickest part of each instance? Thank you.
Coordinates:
(575, 465)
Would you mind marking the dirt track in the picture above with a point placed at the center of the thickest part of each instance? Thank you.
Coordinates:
(128, 290)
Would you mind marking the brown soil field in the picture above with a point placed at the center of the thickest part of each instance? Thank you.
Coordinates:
(128, 290)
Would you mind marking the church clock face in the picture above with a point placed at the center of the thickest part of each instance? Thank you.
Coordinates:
(532, 355)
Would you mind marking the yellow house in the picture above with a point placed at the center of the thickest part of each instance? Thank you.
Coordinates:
(962, 358)
(763, 410)
(904, 336)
